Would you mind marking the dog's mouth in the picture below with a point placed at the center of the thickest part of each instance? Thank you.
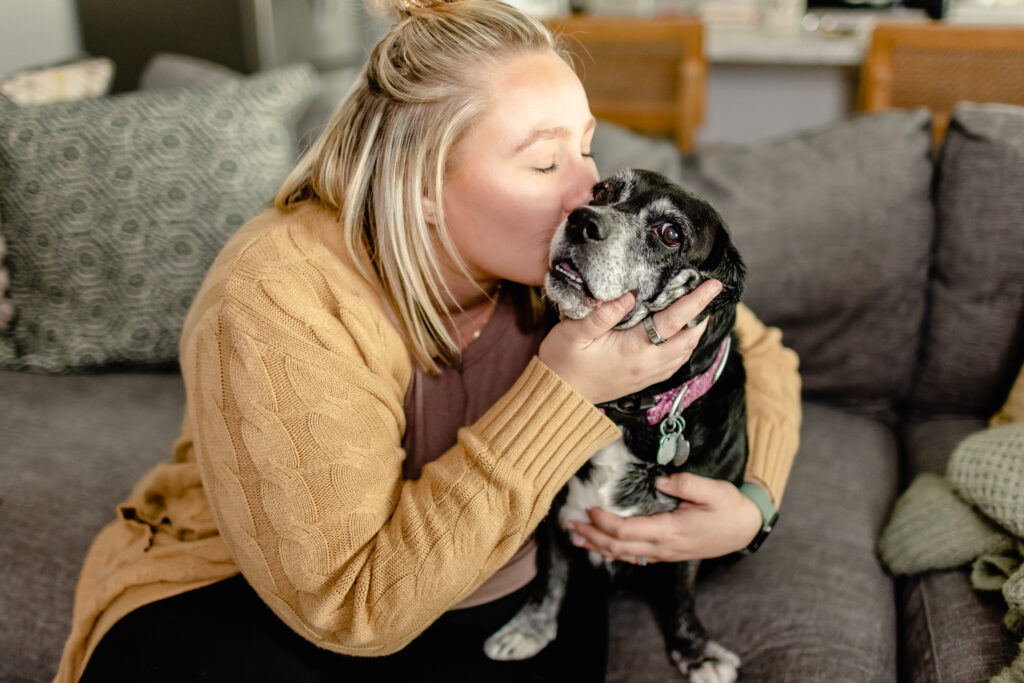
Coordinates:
(567, 287)
(572, 277)
(567, 273)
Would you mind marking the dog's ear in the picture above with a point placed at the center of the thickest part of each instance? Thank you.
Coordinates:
(725, 264)
(732, 273)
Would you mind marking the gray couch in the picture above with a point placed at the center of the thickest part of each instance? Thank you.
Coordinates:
(899, 279)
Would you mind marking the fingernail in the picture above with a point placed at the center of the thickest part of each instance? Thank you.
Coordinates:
(577, 540)
(660, 481)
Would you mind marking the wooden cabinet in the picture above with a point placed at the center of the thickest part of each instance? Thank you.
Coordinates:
(647, 75)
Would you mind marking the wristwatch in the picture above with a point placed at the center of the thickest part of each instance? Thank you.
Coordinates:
(769, 515)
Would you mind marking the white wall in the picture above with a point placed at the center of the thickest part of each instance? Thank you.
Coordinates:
(750, 102)
(37, 32)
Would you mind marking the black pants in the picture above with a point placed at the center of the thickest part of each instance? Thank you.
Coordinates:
(225, 633)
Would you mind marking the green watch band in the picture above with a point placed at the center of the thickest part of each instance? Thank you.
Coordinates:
(769, 515)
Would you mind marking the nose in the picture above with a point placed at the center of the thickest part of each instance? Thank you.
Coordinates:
(584, 225)
(579, 191)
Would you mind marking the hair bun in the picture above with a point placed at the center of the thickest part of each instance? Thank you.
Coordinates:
(399, 9)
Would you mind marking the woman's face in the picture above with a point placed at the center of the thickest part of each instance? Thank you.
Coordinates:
(520, 170)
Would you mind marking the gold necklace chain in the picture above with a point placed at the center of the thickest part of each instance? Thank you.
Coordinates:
(488, 314)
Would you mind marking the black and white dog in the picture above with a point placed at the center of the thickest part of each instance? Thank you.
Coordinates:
(641, 233)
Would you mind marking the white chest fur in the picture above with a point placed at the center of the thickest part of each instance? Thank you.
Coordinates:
(608, 468)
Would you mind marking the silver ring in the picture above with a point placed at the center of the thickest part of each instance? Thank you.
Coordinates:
(652, 331)
(642, 560)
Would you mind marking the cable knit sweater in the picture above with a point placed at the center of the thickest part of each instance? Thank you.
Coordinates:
(289, 463)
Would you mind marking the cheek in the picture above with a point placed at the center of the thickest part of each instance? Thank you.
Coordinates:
(505, 227)
(535, 225)
(543, 206)
(522, 230)
(522, 213)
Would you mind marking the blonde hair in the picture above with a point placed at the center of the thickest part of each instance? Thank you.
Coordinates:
(388, 144)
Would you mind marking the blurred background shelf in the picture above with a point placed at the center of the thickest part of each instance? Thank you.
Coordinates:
(758, 83)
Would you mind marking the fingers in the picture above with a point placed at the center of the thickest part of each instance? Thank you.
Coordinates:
(590, 538)
(676, 317)
(627, 529)
(713, 518)
(620, 539)
(683, 343)
(692, 488)
(606, 316)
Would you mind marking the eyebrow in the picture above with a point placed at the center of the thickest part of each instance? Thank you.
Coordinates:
(553, 133)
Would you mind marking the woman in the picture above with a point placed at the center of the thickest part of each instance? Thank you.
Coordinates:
(379, 411)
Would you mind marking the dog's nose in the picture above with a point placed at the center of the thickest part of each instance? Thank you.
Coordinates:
(583, 225)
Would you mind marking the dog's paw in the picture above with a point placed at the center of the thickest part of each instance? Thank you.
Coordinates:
(526, 634)
(716, 665)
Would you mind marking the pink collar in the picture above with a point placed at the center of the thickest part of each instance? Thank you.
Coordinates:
(691, 390)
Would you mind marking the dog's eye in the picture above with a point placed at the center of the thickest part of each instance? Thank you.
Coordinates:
(669, 234)
(600, 196)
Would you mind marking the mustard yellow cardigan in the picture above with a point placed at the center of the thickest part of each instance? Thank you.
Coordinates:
(289, 464)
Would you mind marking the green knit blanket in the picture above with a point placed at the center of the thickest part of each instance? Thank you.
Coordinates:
(974, 515)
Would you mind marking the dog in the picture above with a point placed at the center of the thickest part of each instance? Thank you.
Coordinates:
(644, 234)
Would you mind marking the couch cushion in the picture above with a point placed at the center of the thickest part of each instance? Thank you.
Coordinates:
(813, 604)
(950, 631)
(114, 208)
(73, 447)
(974, 344)
(929, 443)
(835, 225)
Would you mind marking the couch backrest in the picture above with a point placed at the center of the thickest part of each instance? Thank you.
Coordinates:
(836, 226)
(973, 345)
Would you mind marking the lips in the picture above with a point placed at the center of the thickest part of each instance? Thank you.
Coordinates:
(565, 272)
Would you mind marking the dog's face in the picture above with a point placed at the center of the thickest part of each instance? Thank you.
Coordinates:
(641, 234)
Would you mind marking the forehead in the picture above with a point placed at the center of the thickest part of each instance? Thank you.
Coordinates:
(649, 195)
(532, 97)
(627, 185)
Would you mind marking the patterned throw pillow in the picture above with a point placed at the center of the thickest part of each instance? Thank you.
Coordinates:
(88, 78)
(114, 208)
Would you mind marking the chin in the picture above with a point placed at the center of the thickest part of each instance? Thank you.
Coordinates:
(570, 298)
(537, 278)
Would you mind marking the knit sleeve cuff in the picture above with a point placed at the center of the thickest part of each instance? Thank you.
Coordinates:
(543, 429)
(772, 450)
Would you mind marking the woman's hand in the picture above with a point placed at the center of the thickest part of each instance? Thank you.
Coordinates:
(712, 519)
(602, 363)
